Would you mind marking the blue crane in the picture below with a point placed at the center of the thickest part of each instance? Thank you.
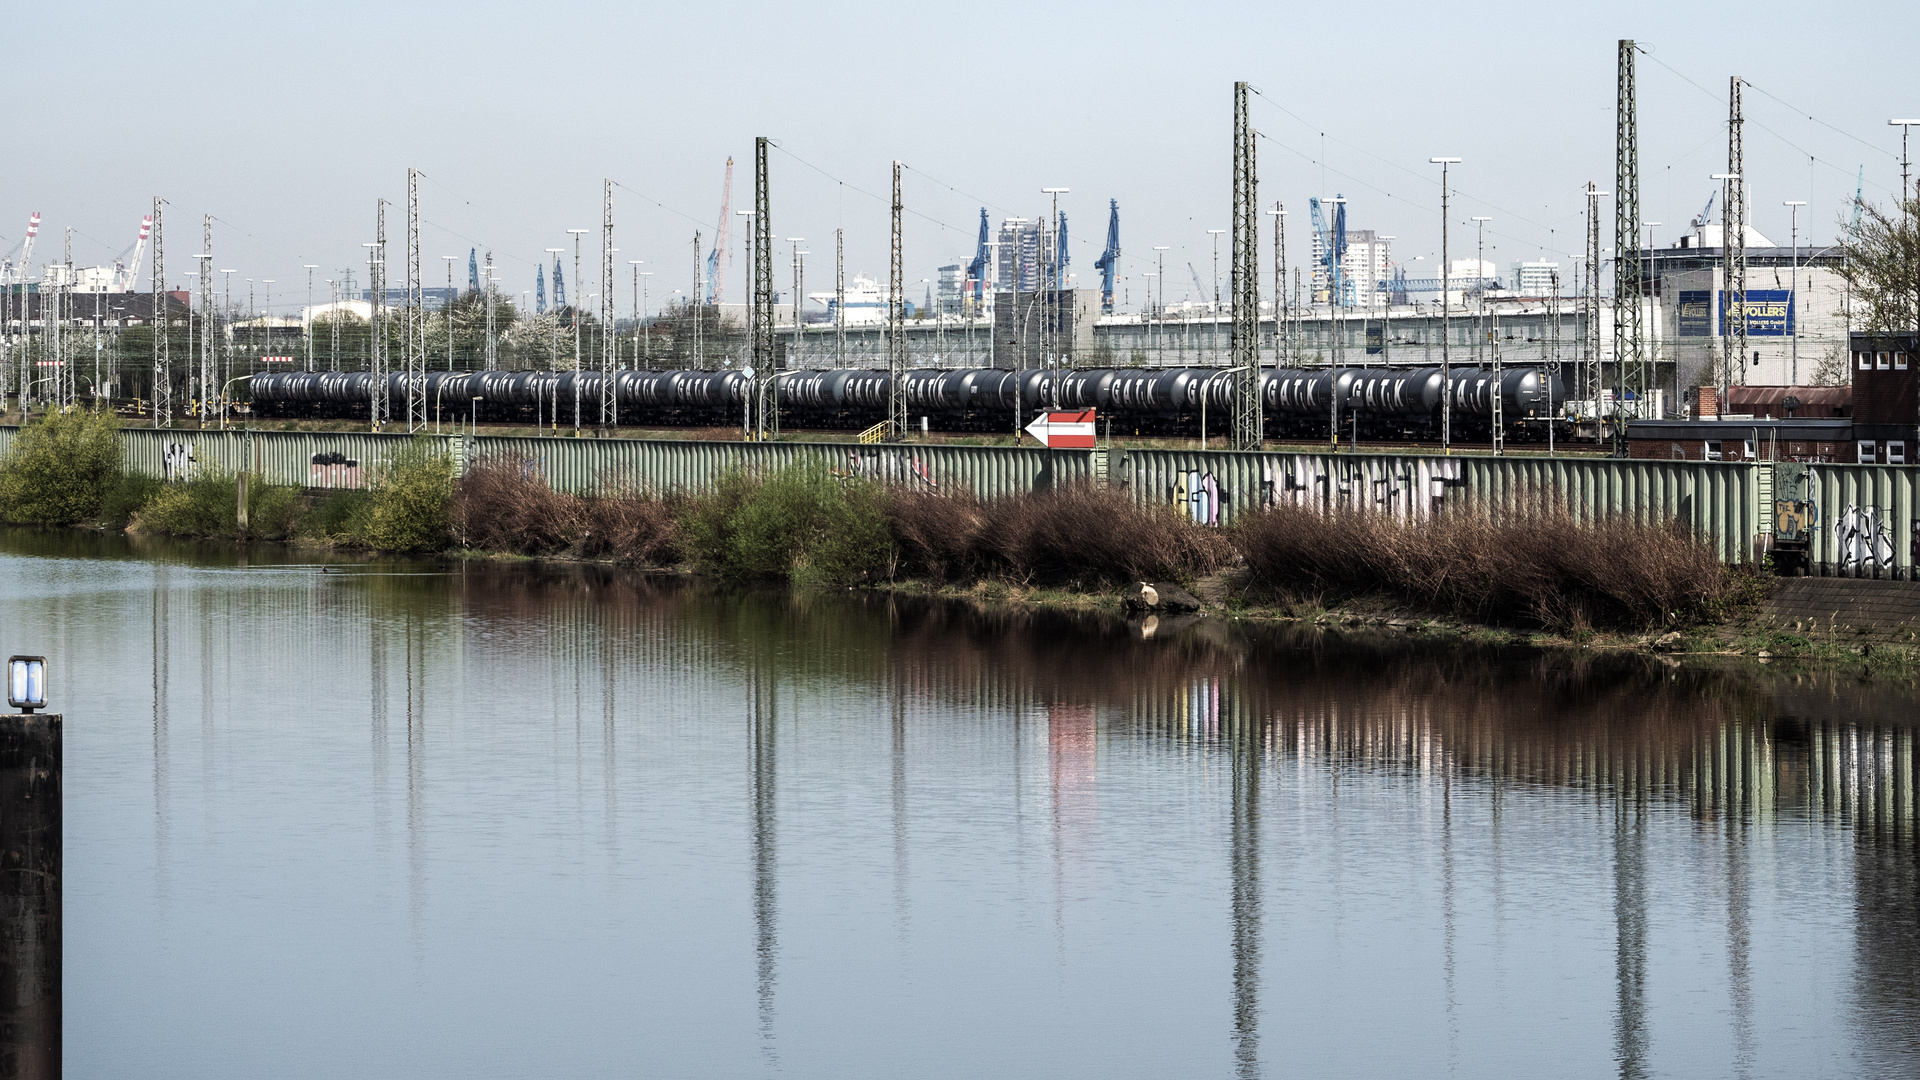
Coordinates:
(1109, 260)
(539, 289)
(1343, 288)
(1060, 254)
(977, 269)
(473, 270)
(559, 286)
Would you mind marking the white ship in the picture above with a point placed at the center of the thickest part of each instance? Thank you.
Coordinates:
(866, 302)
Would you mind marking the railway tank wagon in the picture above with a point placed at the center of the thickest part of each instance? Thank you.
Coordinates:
(1377, 403)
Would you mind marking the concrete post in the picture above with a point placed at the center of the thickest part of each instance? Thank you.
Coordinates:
(30, 856)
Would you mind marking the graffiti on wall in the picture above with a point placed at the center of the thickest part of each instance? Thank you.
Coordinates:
(891, 467)
(1200, 495)
(176, 461)
(332, 470)
(1864, 538)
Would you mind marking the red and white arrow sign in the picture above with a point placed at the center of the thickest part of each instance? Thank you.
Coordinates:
(1064, 430)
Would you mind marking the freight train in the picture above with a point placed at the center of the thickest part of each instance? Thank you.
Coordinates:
(1376, 403)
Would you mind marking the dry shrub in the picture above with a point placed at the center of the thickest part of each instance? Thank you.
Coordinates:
(631, 526)
(1072, 534)
(506, 505)
(1537, 564)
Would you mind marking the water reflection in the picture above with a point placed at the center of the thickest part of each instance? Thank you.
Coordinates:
(1314, 763)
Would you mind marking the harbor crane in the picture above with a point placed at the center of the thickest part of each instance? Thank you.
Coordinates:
(1109, 260)
(26, 247)
(977, 269)
(717, 258)
(126, 271)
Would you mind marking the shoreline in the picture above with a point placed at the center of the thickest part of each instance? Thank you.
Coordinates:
(1225, 598)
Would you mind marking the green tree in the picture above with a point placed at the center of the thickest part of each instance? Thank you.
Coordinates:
(61, 469)
(1882, 267)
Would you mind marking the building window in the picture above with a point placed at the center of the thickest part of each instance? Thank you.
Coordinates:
(1896, 453)
(1899, 361)
(1864, 361)
(1866, 452)
(1750, 453)
(1713, 451)
(1880, 361)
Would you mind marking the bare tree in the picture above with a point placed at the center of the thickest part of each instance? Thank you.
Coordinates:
(1882, 266)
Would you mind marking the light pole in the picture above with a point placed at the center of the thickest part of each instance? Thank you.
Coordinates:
(794, 243)
(1386, 306)
(1906, 199)
(1650, 361)
(1206, 390)
(310, 268)
(646, 321)
(577, 234)
(1213, 323)
(635, 263)
(1793, 287)
(1446, 316)
(449, 261)
(1160, 304)
(1480, 288)
(1049, 291)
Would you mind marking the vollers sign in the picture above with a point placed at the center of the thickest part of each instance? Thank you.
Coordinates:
(1064, 430)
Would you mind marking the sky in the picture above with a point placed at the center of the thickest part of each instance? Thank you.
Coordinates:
(286, 122)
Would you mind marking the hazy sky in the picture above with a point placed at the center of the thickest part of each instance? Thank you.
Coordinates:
(287, 121)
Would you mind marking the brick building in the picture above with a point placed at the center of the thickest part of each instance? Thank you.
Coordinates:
(1874, 421)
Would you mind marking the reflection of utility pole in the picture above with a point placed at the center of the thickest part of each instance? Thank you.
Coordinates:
(1629, 938)
(1244, 749)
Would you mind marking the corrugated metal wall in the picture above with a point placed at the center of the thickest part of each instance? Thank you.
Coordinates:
(1865, 514)
(588, 466)
(1719, 500)
(1865, 520)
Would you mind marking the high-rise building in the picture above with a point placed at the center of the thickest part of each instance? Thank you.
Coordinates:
(952, 282)
(1534, 277)
(1017, 262)
(1364, 268)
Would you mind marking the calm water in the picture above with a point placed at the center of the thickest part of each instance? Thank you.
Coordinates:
(386, 820)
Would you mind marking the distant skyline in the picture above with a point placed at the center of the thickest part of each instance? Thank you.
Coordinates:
(287, 122)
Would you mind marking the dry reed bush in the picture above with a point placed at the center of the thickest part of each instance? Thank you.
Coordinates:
(1072, 534)
(1537, 564)
(631, 526)
(504, 504)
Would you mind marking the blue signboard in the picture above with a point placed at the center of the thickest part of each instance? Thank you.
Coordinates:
(1769, 313)
(1696, 313)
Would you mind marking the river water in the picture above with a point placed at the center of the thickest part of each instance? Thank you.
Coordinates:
(411, 820)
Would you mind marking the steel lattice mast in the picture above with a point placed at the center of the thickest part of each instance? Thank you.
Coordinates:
(1734, 242)
(162, 377)
(1245, 289)
(762, 278)
(207, 319)
(416, 324)
(376, 345)
(1629, 285)
(608, 405)
(896, 326)
(1591, 376)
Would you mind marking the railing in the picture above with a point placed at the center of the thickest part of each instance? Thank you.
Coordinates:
(877, 433)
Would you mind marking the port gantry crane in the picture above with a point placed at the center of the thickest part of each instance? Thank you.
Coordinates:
(977, 269)
(1109, 260)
